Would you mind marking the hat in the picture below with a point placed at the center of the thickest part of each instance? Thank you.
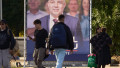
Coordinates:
(3, 21)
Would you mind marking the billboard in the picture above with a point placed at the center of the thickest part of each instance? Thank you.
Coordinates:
(77, 18)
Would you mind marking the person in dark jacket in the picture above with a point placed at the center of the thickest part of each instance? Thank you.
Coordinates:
(61, 50)
(7, 44)
(101, 44)
(94, 39)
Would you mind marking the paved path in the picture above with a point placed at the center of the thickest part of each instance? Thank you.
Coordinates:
(13, 63)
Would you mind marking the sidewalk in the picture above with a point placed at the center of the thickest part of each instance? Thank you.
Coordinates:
(13, 64)
(77, 67)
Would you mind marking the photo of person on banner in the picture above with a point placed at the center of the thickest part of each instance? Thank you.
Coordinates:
(84, 26)
(85, 19)
(73, 8)
(32, 14)
(56, 7)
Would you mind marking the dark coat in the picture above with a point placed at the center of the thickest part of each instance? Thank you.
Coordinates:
(70, 44)
(100, 43)
(6, 39)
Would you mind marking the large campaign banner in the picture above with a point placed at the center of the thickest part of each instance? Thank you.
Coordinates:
(77, 18)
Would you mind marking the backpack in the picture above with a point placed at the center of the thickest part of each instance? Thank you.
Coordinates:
(16, 47)
(58, 38)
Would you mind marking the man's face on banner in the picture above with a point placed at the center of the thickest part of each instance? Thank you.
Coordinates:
(73, 5)
(85, 5)
(56, 7)
(33, 4)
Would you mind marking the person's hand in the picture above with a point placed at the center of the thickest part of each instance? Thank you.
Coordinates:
(11, 52)
(71, 51)
(47, 51)
(51, 52)
(30, 37)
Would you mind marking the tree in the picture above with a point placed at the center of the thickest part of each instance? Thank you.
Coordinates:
(106, 14)
(13, 12)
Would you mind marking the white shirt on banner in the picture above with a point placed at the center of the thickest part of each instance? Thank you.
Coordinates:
(51, 23)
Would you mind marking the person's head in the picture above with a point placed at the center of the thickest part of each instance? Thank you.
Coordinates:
(61, 18)
(86, 5)
(73, 5)
(3, 24)
(84, 9)
(46, 7)
(34, 4)
(56, 7)
(37, 23)
(98, 30)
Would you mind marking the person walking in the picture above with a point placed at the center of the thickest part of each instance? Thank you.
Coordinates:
(60, 39)
(40, 38)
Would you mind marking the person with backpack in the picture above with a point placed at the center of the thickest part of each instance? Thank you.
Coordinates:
(40, 38)
(60, 39)
(7, 44)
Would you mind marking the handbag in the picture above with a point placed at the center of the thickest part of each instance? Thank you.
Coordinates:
(92, 60)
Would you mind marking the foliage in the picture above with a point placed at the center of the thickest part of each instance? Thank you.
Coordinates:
(13, 12)
(106, 13)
